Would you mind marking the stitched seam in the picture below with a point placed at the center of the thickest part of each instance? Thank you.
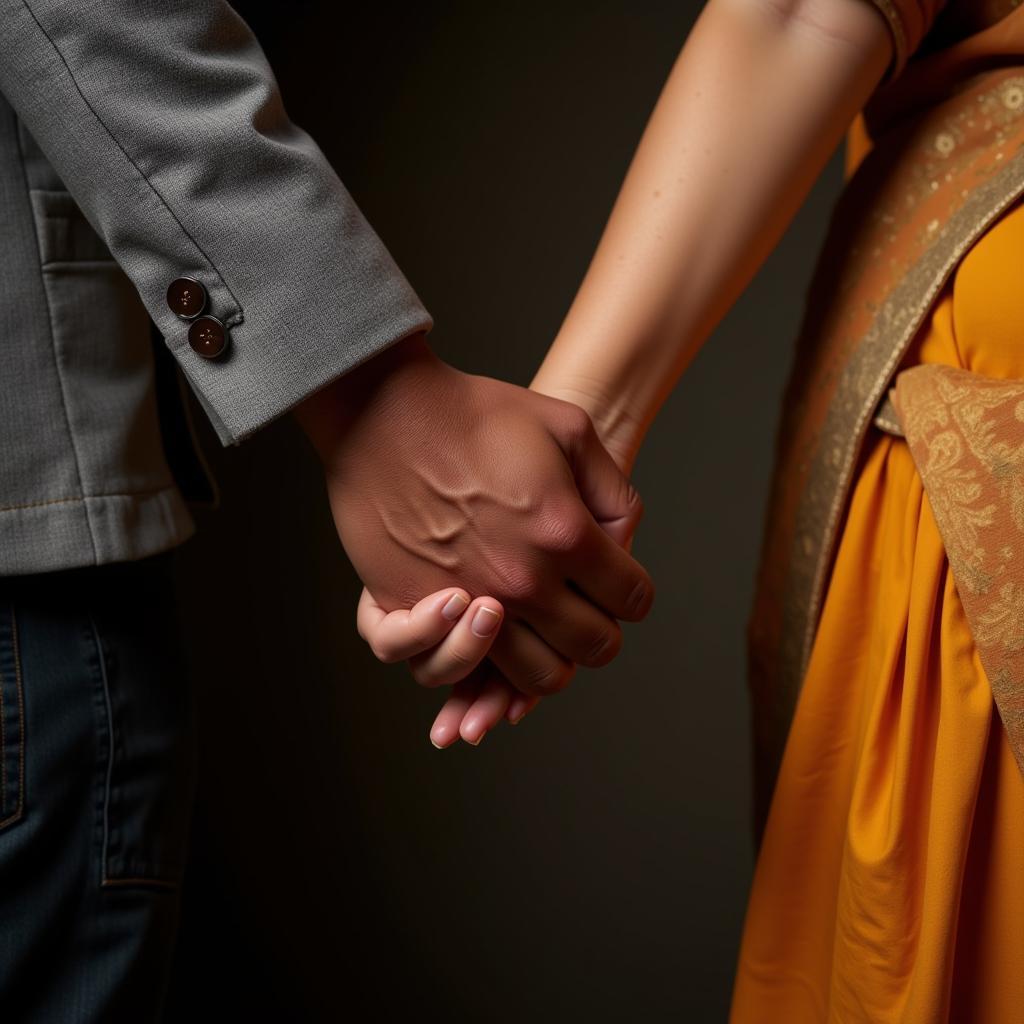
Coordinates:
(106, 879)
(236, 316)
(88, 497)
(53, 349)
(110, 745)
(21, 712)
(17, 813)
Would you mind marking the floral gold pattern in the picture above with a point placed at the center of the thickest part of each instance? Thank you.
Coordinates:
(966, 435)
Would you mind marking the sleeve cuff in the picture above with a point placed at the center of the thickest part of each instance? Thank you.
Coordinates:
(260, 377)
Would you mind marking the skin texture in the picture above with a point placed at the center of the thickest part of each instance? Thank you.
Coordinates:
(436, 475)
(761, 95)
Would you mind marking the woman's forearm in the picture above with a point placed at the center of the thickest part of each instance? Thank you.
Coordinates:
(760, 96)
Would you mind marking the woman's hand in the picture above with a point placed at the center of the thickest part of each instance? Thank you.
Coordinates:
(445, 637)
(477, 704)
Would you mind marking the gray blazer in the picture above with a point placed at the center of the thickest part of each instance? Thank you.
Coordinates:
(142, 142)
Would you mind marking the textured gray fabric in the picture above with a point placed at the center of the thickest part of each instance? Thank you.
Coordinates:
(143, 141)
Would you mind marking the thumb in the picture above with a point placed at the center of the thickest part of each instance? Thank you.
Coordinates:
(612, 500)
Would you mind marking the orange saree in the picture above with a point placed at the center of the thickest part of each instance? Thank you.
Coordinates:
(887, 634)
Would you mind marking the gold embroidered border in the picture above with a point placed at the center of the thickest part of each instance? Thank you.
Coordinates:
(861, 383)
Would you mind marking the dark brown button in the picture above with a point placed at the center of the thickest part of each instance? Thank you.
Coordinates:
(186, 297)
(208, 337)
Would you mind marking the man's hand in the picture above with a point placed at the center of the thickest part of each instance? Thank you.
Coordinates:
(437, 477)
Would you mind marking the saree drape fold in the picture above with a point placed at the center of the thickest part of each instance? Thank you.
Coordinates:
(935, 158)
(889, 885)
(886, 639)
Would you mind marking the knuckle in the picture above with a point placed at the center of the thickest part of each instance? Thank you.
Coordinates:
(639, 600)
(560, 532)
(456, 665)
(549, 678)
(460, 659)
(569, 423)
(604, 646)
(521, 585)
(382, 652)
(577, 423)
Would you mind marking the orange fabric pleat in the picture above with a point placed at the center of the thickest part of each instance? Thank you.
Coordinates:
(890, 882)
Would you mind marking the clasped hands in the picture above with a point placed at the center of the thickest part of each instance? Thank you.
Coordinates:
(498, 503)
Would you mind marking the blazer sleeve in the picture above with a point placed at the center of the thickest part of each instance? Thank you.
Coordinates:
(909, 22)
(165, 123)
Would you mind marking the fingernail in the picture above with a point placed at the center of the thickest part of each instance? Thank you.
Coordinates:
(485, 622)
(517, 719)
(454, 607)
(440, 735)
(470, 728)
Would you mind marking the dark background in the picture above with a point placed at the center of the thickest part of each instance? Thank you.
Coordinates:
(594, 862)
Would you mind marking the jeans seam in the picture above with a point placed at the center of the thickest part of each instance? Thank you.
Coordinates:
(19, 688)
(110, 747)
(106, 880)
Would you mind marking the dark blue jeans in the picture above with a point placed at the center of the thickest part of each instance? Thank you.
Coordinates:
(98, 766)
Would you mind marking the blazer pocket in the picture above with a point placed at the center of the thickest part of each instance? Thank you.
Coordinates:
(12, 721)
(64, 233)
(101, 342)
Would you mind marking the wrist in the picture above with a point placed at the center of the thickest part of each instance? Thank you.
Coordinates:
(329, 415)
